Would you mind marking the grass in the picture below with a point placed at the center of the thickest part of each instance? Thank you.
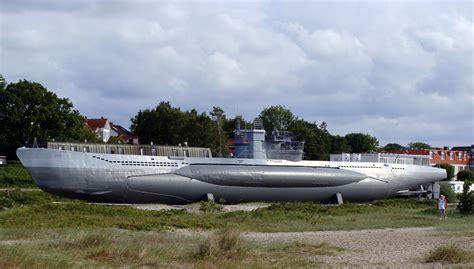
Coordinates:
(11, 198)
(52, 248)
(89, 248)
(40, 230)
(210, 207)
(449, 254)
(45, 231)
(14, 175)
(223, 243)
(35, 210)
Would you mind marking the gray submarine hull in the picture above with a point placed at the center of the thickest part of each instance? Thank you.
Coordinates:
(141, 179)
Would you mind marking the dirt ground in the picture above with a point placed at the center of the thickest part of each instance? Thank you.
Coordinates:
(392, 248)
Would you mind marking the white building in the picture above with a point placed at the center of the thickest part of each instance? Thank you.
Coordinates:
(381, 158)
(101, 127)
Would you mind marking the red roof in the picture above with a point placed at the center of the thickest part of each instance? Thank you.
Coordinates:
(411, 151)
(94, 124)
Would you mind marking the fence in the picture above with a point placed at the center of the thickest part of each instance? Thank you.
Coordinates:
(150, 150)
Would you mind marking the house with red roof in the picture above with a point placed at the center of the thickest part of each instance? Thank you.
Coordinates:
(104, 129)
(123, 134)
(101, 127)
(460, 159)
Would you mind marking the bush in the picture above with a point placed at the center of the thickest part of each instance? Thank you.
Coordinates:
(447, 254)
(466, 199)
(224, 243)
(466, 175)
(446, 190)
(210, 207)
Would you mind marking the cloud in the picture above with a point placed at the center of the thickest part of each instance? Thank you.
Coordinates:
(401, 71)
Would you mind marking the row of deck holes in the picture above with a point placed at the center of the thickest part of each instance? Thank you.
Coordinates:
(135, 163)
(360, 167)
(370, 167)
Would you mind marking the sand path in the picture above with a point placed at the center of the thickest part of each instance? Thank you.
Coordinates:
(398, 248)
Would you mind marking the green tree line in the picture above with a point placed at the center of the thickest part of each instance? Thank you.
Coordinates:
(169, 125)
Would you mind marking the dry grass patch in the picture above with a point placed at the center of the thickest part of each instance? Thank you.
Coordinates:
(450, 254)
(223, 243)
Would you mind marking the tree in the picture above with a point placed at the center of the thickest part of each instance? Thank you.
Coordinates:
(161, 125)
(362, 142)
(317, 139)
(167, 125)
(277, 118)
(446, 190)
(418, 145)
(466, 175)
(466, 199)
(3, 83)
(231, 124)
(29, 110)
(449, 170)
(339, 144)
(219, 118)
(392, 147)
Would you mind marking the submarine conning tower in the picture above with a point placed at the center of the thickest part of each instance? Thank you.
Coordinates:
(251, 144)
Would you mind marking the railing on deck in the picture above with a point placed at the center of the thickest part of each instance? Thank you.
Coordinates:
(149, 150)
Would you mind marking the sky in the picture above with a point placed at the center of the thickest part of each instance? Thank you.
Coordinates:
(401, 71)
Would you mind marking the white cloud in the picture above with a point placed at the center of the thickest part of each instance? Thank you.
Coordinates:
(401, 71)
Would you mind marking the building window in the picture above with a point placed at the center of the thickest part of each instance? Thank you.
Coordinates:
(451, 156)
(443, 155)
(460, 155)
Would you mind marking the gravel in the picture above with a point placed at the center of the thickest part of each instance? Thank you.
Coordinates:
(387, 248)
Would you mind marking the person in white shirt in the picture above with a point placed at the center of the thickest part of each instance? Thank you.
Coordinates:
(442, 204)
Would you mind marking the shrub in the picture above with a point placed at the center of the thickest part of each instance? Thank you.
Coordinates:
(466, 199)
(228, 240)
(447, 254)
(210, 207)
(223, 243)
(6, 202)
(466, 175)
(446, 190)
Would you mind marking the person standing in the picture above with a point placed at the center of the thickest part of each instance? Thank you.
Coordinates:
(442, 205)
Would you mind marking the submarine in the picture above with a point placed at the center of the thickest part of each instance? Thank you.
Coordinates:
(261, 170)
